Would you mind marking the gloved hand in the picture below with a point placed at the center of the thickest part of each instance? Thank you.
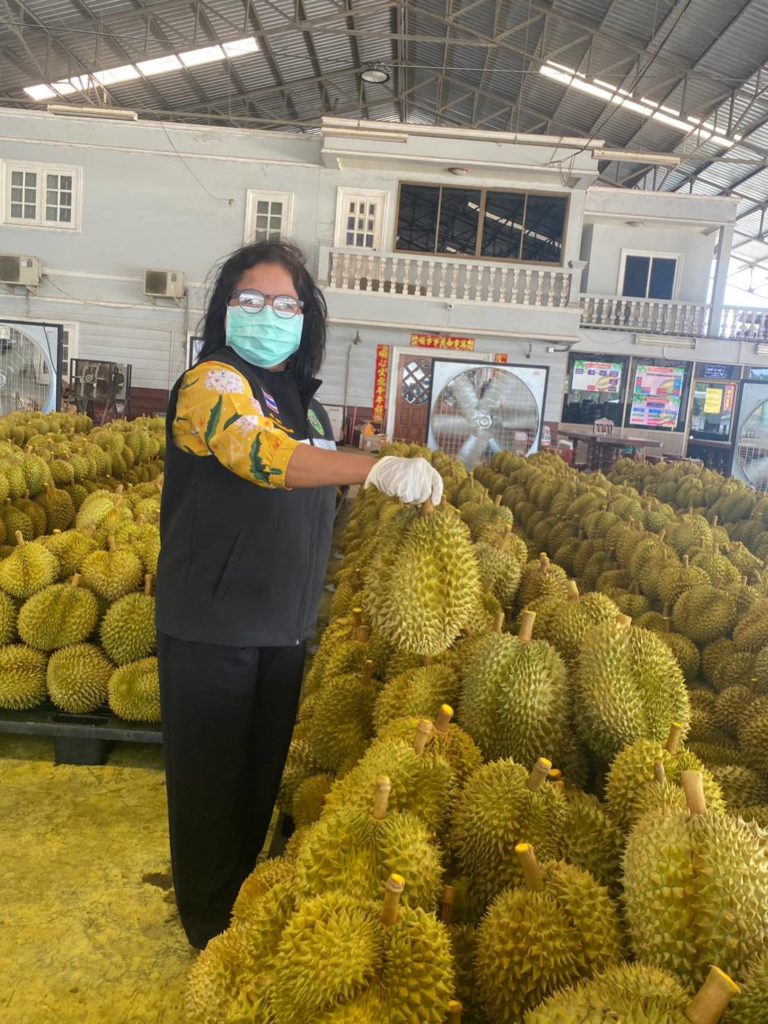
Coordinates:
(413, 481)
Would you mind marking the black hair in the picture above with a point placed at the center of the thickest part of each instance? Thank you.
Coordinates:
(305, 363)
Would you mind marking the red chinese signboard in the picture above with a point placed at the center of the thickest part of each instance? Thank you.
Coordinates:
(380, 382)
(442, 342)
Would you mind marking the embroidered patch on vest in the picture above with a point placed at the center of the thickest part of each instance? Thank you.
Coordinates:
(314, 422)
(271, 403)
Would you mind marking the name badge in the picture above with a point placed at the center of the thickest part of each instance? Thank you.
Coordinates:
(324, 442)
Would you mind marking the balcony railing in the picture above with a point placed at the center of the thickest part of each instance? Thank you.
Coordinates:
(437, 277)
(654, 316)
(744, 323)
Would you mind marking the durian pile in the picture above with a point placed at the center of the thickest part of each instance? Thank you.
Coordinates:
(80, 543)
(501, 815)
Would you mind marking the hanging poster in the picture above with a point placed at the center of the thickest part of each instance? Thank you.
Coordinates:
(380, 382)
(656, 396)
(713, 400)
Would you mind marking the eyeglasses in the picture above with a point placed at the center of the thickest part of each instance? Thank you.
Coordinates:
(284, 306)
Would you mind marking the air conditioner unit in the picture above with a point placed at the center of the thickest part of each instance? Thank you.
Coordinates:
(25, 270)
(164, 284)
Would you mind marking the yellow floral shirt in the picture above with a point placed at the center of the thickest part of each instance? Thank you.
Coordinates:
(217, 414)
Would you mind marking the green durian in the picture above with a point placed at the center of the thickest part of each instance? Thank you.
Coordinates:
(628, 686)
(22, 677)
(559, 928)
(751, 1006)
(565, 623)
(111, 574)
(447, 739)
(308, 801)
(134, 691)
(357, 852)
(30, 569)
(637, 994)
(696, 888)
(704, 613)
(500, 570)
(77, 678)
(419, 691)
(8, 616)
(58, 507)
(541, 580)
(751, 632)
(591, 840)
(71, 548)
(738, 669)
(501, 805)
(741, 786)
(127, 630)
(753, 741)
(58, 616)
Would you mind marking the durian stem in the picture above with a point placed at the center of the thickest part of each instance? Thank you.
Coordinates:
(539, 774)
(753, 686)
(357, 617)
(693, 785)
(444, 716)
(710, 1002)
(111, 545)
(392, 892)
(367, 672)
(497, 501)
(75, 581)
(544, 561)
(659, 772)
(673, 740)
(498, 624)
(19, 538)
(623, 620)
(527, 620)
(714, 522)
(572, 590)
(382, 790)
(148, 585)
(533, 876)
(427, 660)
(362, 634)
(685, 560)
(423, 733)
(455, 1010)
(446, 904)
(427, 509)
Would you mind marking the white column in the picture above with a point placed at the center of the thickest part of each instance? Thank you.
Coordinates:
(724, 243)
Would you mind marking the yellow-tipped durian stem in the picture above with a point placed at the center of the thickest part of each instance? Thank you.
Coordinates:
(75, 581)
(710, 1002)
(392, 892)
(148, 585)
(19, 538)
(623, 620)
(685, 561)
(446, 904)
(753, 686)
(357, 617)
(573, 590)
(659, 772)
(367, 672)
(444, 716)
(382, 790)
(693, 785)
(423, 733)
(539, 774)
(533, 876)
(527, 620)
(455, 1010)
(666, 621)
(673, 740)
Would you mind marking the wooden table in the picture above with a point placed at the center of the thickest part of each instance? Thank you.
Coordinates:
(603, 449)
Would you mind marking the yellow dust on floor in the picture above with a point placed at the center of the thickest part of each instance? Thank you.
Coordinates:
(88, 929)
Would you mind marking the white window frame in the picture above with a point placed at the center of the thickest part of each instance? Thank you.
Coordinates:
(39, 221)
(256, 195)
(343, 195)
(658, 254)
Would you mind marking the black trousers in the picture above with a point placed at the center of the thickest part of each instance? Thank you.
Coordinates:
(228, 714)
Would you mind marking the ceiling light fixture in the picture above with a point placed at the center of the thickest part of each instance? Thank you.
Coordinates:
(113, 113)
(458, 170)
(627, 156)
(146, 68)
(376, 74)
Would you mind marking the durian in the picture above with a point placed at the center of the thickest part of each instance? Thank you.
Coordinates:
(565, 623)
(134, 691)
(111, 574)
(704, 613)
(30, 569)
(22, 677)
(58, 616)
(128, 629)
(77, 678)
(419, 692)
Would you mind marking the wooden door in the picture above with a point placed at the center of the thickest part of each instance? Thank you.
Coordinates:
(414, 376)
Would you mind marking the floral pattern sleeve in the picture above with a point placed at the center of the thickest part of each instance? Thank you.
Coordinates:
(217, 414)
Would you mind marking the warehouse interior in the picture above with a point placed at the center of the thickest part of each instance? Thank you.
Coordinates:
(384, 511)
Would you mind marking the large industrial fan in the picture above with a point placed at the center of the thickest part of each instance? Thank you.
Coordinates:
(750, 462)
(478, 409)
(29, 367)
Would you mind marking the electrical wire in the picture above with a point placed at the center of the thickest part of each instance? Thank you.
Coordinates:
(203, 186)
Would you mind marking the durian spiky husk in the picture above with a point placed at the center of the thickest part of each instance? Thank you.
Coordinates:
(530, 944)
(751, 1006)
(22, 677)
(77, 678)
(565, 623)
(628, 687)
(134, 691)
(57, 617)
(591, 840)
(419, 691)
(308, 802)
(696, 892)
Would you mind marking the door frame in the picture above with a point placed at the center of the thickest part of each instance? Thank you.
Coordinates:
(428, 353)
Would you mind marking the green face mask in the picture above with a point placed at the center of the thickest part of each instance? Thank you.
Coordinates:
(263, 339)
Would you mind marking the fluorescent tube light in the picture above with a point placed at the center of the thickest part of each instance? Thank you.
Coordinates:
(110, 113)
(628, 157)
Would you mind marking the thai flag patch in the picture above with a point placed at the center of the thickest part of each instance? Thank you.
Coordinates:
(270, 402)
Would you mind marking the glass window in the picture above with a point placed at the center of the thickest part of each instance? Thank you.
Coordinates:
(649, 277)
(662, 282)
(503, 225)
(544, 226)
(40, 197)
(459, 221)
(417, 218)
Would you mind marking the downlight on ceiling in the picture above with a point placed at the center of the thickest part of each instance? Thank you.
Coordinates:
(458, 170)
(376, 74)
(143, 68)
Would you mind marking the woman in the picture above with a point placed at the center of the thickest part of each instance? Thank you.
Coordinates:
(247, 512)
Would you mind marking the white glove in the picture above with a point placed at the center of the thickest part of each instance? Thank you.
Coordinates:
(413, 481)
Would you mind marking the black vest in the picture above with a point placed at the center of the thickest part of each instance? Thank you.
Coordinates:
(243, 565)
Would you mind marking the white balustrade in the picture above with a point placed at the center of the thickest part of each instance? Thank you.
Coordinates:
(656, 316)
(444, 278)
(744, 323)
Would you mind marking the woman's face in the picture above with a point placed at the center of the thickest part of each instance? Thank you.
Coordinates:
(267, 278)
